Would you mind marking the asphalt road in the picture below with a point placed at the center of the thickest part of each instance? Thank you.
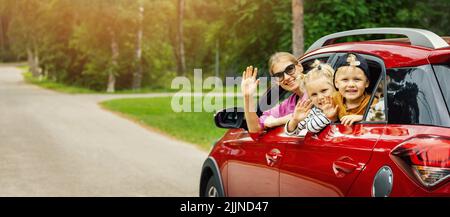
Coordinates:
(54, 144)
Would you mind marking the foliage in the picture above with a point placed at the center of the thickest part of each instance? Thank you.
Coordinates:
(51, 85)
(73, 38)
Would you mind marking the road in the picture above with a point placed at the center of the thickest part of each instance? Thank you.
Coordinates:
(54, 144)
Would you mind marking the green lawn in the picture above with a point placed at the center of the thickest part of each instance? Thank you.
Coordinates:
(60, 87)
(48, 84)
(64, 88)
(194, 127)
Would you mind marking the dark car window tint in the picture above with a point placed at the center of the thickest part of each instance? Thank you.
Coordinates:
(376, 110)
(307, 65)
(443, 76)
(414, 97)
(277, 95)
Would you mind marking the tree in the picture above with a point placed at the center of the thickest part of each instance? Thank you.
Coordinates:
(113, 44)
(297, 27)
(254, 30)
(29, 31)
(137, 76)
(181, 62)
(114, 61)
(103, 35)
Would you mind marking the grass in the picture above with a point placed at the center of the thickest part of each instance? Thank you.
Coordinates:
(64, 88)
(48, 84)
(193, 127)
(145, 90)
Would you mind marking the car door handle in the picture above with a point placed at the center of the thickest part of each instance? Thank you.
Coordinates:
(273, 156)
(343, 166)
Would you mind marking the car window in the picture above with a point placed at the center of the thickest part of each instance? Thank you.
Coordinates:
(375, 67)
(414, 97)
(276, 94)
(376, 112)
(307, 64)
(443, 76)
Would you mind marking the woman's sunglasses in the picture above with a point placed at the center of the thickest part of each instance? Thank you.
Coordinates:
(289, 70)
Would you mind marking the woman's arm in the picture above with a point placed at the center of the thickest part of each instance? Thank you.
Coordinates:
(250, 115)
(274, 122)
(248, 86)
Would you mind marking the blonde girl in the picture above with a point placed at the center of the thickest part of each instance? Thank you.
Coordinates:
(318, 111)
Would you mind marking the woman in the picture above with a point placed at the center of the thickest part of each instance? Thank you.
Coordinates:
(287, 72)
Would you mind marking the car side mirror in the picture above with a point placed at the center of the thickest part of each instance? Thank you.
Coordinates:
(230, 118)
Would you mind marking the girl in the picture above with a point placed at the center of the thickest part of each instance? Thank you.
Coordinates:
(318, 111)
(287, 72)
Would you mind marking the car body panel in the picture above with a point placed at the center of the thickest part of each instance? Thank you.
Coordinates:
(316, 166)
(393, 54)
(339, 161)
(246, 156)
(404, 185)
(440, 56)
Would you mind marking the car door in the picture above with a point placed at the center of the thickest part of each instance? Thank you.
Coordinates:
(253, 165)
(327, 163)
(254, 160)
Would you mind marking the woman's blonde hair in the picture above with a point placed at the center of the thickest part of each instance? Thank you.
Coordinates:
(276, 57)
(318, 70)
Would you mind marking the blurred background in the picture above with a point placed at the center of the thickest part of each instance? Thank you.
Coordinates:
(143, 44)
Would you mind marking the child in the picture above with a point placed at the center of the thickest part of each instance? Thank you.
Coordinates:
(318, 111)
(351, 80)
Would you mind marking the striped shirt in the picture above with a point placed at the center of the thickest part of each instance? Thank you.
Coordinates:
(314, 123)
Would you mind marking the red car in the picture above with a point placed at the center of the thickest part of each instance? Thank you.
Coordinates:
(402, 148)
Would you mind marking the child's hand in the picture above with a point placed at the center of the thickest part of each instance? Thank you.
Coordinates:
(348, 120)
(302, 110)
(329, 109)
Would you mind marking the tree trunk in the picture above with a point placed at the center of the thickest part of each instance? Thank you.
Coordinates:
(33, 62)
(297, 27)
(181, 62)
(30, 59)
(217, 69)
(114, 63)
(2, 35)
(111, 83)
(36, 65)
(137, 76)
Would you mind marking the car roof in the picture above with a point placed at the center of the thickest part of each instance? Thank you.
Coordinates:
(395, 53)
(407, 41)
